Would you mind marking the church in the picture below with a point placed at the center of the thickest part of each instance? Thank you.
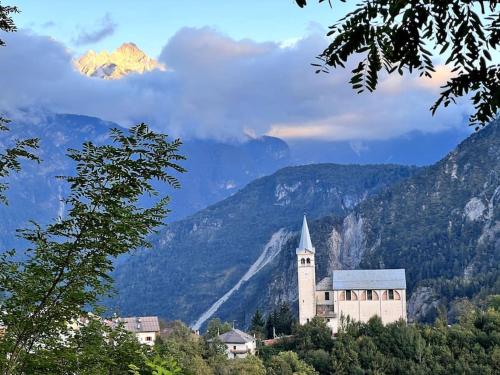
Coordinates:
(359, 294)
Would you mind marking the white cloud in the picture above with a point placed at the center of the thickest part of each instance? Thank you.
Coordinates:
(104, 28)
(222, 88)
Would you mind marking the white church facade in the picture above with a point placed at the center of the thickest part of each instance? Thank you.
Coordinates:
(359, 294)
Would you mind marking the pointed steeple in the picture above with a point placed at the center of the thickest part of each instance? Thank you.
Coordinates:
(305, 239)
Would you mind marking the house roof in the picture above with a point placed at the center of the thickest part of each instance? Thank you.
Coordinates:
(325, 284)
(138, 324)
(369, 279)
(235, 336)
(305, 238)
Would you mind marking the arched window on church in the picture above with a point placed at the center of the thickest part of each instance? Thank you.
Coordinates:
(397, 296)
(302, 261)
(308, 261)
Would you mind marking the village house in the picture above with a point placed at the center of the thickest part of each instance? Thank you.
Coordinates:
(145, 328)
(359, 294)
(238, 343)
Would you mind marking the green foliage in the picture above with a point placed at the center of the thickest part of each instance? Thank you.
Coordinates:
(288, 363)
(250, 365)
(10, 158)
(216, 327)
(470, 347)
(188, 350)
(69, 262)
(258, 325)
(280, 321)
(394, 35)
(6, 22)
(158, 366)
(90, 349)
(313, 335)
(22, 149)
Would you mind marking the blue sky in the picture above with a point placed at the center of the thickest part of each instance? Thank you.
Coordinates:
(151, 23)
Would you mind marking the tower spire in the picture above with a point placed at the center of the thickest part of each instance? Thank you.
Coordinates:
(305, 238)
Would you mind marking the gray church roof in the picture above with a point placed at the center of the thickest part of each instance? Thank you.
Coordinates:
(235, 336)
(325, 284)
(369, 279)
(305, 239)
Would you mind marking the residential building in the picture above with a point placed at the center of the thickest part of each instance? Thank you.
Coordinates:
(238, 343)
(145, 328)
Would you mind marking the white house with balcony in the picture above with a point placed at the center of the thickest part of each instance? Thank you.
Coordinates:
(238, 343)
(359, 294)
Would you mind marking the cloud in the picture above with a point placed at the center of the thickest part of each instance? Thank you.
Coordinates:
(218, 87)
(104, 28)
(48, 24)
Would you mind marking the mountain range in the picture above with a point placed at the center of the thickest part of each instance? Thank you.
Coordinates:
(126, 59)
(216, 169)
(233, 256)
(441, 223)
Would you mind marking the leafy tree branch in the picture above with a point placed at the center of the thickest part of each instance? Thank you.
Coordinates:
(399, 35)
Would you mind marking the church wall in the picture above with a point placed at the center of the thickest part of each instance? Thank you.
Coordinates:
(320, 297)
(362, 309)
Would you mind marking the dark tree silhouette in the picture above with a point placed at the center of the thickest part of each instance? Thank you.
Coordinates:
(396, 35)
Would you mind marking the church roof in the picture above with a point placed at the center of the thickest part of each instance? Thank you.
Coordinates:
(235, 336)
(369, 279)
(325, 284)
(305, 238)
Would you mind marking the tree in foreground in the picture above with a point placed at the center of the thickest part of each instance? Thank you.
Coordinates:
(21, 149)
(68, 264)
(395, 35)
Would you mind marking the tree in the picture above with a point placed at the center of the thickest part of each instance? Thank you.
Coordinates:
(67, 267)
(288, 363)
(395, 35)
(10, 158)
(6, 22)
(22, 149)
(93, 349)
(258, 325)
(216, 327)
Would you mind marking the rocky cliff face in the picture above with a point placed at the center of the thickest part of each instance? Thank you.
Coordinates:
(228, 251)
(126, 59)
(442, 225)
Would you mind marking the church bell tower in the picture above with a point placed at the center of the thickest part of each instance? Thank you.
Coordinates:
(306, 276)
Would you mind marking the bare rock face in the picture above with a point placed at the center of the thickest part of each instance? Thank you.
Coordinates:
(127, 59)
(422, 303)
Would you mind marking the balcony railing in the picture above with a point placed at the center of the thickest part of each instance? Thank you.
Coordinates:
(325, 311)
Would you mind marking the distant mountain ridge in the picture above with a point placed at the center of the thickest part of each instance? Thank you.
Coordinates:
(126, 59)
(441, 223)
(216, 169)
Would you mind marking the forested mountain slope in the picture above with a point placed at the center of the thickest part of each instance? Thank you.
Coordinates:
(196, 261)
(442, 224)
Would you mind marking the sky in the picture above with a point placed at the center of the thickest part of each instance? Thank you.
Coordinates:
(151, 25)
(234, 68)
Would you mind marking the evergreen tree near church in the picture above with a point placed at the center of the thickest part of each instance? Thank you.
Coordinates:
(258, 325)
(280, 321)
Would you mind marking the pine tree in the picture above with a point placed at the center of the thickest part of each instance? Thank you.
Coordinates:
(258, 325)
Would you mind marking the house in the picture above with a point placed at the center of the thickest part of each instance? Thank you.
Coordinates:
(359, 294)
(145, 328)
(239, 344)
